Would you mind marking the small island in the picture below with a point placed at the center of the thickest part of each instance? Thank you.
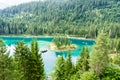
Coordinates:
(61, 43)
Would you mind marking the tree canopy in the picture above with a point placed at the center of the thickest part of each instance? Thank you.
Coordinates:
(84, 18)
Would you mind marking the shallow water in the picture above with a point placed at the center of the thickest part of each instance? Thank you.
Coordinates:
(50, 57)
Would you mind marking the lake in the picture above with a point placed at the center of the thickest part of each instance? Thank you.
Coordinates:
(49, 58)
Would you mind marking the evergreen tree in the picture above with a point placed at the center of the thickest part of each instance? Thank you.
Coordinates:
(99, 57)
(6, 66)
(15, 71)
(69, 67)
(35, 63)
(82, 64)
(60, 69)
(21, 57)
(71, 17)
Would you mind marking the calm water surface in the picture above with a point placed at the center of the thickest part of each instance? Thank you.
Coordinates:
(49, 58)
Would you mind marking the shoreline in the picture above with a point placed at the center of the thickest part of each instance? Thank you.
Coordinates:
(45, 36)
(63, 48)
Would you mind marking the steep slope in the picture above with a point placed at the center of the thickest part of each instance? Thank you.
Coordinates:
(73, 17)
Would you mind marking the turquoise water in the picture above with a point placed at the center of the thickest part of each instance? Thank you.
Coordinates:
(49, 58)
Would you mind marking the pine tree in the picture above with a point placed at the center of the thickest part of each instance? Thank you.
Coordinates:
(6, 66)
(82, 62)
(60, 69)
(15, 71)
(21, 57)
(99, 57)
(69, 67)
(35, 63)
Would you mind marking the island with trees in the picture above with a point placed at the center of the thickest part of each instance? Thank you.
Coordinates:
(81, 18)
(61, 43)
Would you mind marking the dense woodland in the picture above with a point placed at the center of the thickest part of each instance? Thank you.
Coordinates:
(27, 64)
(84, 18)
(98, 19)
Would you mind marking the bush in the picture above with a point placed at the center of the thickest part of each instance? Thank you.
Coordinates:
(116, 59)
(112, 72)
(88, 76)
(2, 44)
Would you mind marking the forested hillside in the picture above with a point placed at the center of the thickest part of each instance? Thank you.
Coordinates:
(82, 18)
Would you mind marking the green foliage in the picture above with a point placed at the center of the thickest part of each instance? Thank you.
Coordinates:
(6, 66)
(82, 63)
(118, 46)
(99, 57)
(116, 59)
(115, 45)
(69, 67)
(88, 76)
(112, 72)
(16, 71)
(29, 62)
(65, 69)
(35, 63)
(61, 40)
(60, 69)
(72, 17)
(74, 77)
(21, 57)
(2, 44)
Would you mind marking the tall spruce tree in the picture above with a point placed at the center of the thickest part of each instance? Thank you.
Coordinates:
(69, 67)
(6, 66)
(21, 58)
(35, 63)
(60, 69)
(99, 57)
(82, 63)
